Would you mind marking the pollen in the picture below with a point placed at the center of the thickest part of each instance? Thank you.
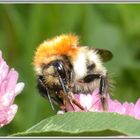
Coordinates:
(60, 45)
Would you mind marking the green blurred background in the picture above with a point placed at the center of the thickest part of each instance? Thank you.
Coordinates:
(111, 26)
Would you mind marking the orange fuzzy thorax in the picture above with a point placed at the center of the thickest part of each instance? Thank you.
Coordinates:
(60, 45)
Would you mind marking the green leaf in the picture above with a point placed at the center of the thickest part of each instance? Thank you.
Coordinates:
(85, 124)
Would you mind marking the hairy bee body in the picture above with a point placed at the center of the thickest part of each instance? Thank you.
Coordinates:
(61, 64)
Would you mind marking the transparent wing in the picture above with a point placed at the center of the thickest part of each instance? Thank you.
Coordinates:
(105, 55)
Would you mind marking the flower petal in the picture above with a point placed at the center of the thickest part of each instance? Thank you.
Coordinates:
(96, 101)
(11, 113)
(7, 114)
(129, 108)
(19, 88)
(86, 101)
(12, 79)
(137, 109)
(3, 71)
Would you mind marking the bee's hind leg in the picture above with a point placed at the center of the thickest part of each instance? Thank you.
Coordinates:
(103, 90)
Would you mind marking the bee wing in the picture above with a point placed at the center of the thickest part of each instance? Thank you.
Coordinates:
(105, 55)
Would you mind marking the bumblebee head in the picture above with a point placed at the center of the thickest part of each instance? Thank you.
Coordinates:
(53, 58)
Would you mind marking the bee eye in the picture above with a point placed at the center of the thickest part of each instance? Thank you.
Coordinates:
(60, 68)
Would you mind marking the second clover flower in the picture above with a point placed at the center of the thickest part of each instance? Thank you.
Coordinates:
(92, 103)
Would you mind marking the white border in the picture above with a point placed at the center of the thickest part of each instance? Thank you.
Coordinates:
(69, 2)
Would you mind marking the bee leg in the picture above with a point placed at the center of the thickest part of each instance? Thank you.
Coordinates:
(74, 101)
(44, 91)
(65, 92)
(103, 91)
(66, 100)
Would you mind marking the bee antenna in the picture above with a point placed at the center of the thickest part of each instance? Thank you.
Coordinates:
(48, 95)
(62, 83)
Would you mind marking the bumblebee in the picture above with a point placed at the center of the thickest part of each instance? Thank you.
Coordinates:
(64, 68)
